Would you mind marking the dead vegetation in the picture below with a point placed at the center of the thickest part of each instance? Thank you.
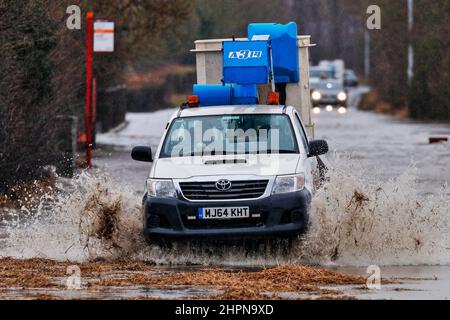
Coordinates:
(5, 202)
(100, 219)
(267, 283)
(28, 195)
(358, 199)
(108, 220)
(36, 273)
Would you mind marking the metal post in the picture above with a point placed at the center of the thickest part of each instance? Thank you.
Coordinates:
(89, 58)
(410, 71)
(367, 54)
(94, 113)
(94, 102)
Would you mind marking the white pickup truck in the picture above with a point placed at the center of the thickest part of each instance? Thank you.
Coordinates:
(231, 187)
(232, 164)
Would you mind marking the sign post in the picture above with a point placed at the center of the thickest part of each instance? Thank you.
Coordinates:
(99, 39)
(89, 60)
(94, 111)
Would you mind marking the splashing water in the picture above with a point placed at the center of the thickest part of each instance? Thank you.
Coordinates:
(353, 222)
(93, 218)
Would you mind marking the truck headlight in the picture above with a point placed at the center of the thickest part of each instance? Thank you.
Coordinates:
(161, 188)
(291, 183)
(342, 96)
(316, 95)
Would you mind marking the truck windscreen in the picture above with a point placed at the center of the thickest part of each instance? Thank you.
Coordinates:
(230, 134)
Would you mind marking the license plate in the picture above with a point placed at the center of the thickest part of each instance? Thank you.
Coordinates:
(223, 213)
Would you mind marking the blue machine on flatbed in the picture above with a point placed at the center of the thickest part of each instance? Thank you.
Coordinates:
(268, 56)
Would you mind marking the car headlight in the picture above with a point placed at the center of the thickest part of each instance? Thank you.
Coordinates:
(161, 188)
(316, 95)
(291, 183)
(342, 96)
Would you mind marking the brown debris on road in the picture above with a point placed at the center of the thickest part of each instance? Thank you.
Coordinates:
(269, 283)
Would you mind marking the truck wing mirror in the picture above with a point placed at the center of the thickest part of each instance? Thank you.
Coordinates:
(317, 148)
(143, 154)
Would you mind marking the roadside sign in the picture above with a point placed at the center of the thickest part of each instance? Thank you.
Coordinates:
(103, 36)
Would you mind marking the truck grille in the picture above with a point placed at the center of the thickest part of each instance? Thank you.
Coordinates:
(224, 224)
(251, 189)
(329, 97)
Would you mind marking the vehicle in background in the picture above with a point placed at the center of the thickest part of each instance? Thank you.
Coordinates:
(329, 94)
(350, 78)
(338, 67)
(320, 73)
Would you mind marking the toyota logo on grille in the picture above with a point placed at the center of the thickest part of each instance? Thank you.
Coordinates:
(223, 185)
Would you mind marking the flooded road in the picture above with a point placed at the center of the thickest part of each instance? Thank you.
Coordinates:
(381, 148)
(386, 147)
(47, 279)
(414, 282)
(386, 204)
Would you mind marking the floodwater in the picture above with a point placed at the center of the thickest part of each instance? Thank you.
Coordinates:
(384, 148)
(380, 148)
(387, 204)
(416, 282)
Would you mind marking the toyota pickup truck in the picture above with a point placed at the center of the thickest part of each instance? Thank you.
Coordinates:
(249, 172)
(237, 160)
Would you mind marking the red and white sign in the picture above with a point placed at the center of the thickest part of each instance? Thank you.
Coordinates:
(103, 36)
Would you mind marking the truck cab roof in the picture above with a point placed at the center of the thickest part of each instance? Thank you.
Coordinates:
(232, 109)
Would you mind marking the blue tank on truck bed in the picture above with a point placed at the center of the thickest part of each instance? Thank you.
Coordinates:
(283, 39)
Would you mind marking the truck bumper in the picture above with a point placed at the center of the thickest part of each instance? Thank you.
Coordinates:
(277, 216)
(335, 103)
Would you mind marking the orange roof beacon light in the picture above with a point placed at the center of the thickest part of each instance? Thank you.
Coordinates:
(193, 101)
(274, 99)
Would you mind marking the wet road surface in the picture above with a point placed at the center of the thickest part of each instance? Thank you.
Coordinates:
(380, 146)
